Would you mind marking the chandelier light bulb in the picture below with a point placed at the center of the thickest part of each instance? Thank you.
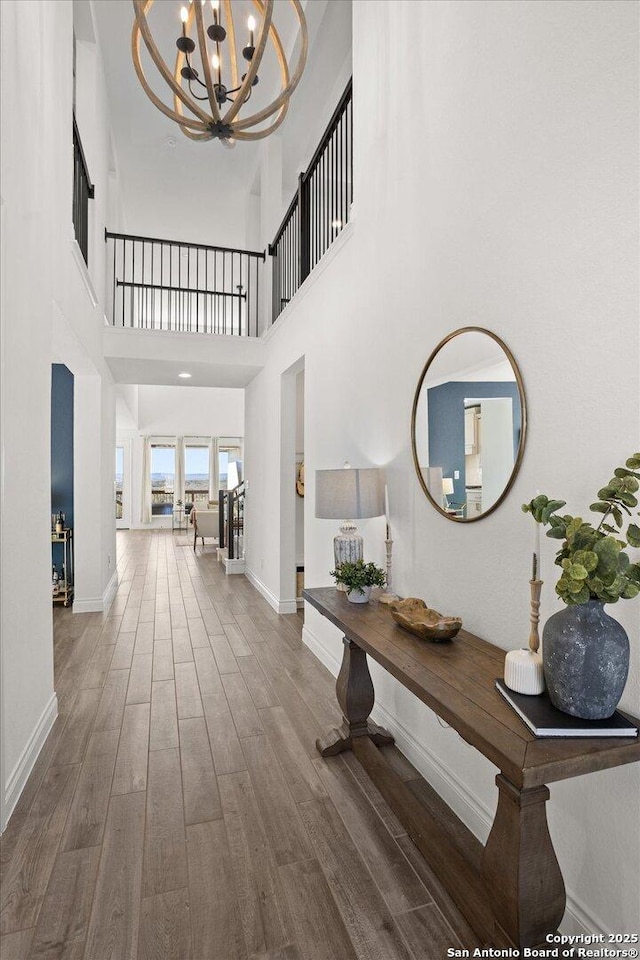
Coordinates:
(184, 14)
(215, 61)
(214, 5)
(251, 23)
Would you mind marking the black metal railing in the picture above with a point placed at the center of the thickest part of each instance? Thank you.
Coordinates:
(319, 210)
(185, 287)
(231, 521)
(83, 191)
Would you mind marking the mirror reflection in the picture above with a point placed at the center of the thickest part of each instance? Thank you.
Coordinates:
(468, 424)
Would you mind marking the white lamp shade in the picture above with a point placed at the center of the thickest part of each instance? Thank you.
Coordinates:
(447, 486)
(349, 494)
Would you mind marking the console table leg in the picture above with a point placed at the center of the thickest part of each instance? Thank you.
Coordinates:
(520, 867)
(356, 698)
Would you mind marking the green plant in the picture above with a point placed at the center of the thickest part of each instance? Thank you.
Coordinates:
(357, 575)
(593, 559)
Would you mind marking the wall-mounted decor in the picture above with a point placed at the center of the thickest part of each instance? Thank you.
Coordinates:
(468, 424)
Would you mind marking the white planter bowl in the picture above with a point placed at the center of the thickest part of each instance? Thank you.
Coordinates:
(358, 596)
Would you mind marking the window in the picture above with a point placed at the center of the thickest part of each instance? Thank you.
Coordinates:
(163, 478)
(196, 474)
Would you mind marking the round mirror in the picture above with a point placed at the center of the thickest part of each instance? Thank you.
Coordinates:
(468, 424)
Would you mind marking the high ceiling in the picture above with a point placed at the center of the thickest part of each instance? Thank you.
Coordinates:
(176, 188)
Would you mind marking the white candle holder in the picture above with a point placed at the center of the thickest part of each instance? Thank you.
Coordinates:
(523, 671)
(388, 596)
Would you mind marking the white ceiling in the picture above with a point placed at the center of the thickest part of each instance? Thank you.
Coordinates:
(204, 186)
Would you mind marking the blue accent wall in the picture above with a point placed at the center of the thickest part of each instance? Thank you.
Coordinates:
(61, 447)
(446, 423)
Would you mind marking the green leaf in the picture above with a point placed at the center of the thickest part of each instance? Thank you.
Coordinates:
(607, 493)
(600, 507)
(556, 533)
(623, 472)
(633, 535)
(578, 572)
(628, 499)
(630, 591)
(634, 462)
(608, 528)
(617, 515)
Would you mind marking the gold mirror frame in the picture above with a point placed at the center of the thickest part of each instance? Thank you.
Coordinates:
(523, 431)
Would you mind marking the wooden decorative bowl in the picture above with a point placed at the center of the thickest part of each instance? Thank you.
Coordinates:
(415, 616)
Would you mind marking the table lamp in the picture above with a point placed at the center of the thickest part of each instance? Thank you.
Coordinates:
(447, 490)
(349, 494)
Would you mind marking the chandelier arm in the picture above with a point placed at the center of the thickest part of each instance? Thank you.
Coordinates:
(293, 83)
(196, 136)
(204, 56)
(168, 112)
(141, 8)
(231, 32)
(253, 66)
(260, 134)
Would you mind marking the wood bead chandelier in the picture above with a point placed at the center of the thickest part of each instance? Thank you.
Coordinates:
(213, 105)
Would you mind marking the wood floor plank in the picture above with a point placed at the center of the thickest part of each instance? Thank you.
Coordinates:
(162, 630)
(162, 660)
(112, 701)
(284, 829)
(164, 719)
(123, 651)
(98, 666)
(301, 776)
(199, 784)
(318, 926)
(225, 660)
(207, 671)
(237, 641)
(262, 693)
(115, 917)
(165, 929)
(64, 917)
(130, 774)
(85, 823)
(78, 728)
(139, 689)
(263, 909)
(245, 716)
(187, 691)
(396, 879)
(427, 932)
(197, 632)
(165, 855)
(176, 609)
(212, 622)
(181, 645)
(147, 610)
(144, 638)
(17, 946)
(225, 745)
(25, 881)
(373, 795)
(367, 917)
(306, 725)
(215, 912)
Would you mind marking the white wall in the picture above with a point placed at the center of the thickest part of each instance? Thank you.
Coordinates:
(50, 312)
(176, 411)
(496, 184)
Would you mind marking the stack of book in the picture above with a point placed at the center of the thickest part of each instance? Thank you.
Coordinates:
(545, 720)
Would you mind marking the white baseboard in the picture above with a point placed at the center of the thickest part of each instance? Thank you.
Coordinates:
(280, 606)
(577, 918)
(233, 566)
(98, 604)
(20, 773)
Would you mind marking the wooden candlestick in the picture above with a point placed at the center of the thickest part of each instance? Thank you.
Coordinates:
(534, 636)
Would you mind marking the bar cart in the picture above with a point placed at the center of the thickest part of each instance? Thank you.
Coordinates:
(62, 589)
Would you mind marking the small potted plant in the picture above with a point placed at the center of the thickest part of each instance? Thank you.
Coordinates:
(585, 651)
(359, 577)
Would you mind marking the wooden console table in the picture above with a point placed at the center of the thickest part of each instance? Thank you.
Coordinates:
(512, 893)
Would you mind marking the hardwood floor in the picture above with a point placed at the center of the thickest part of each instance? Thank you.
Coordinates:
(179, 809)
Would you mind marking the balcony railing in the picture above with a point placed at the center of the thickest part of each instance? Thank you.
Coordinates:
(319, 210)
(83, 191)
(185, 287)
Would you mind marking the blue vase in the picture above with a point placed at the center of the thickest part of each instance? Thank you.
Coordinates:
(585, 655)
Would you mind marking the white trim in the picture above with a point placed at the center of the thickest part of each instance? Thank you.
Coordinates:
(84, 273)
(280, 606)
(20, 773)
(98, 604)
(577, 918)
(233, 566)
(343, 237)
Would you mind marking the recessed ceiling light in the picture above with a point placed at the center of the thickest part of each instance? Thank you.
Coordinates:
(185, 376)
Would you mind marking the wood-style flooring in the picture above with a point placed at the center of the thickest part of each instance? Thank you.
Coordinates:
(179, 809)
